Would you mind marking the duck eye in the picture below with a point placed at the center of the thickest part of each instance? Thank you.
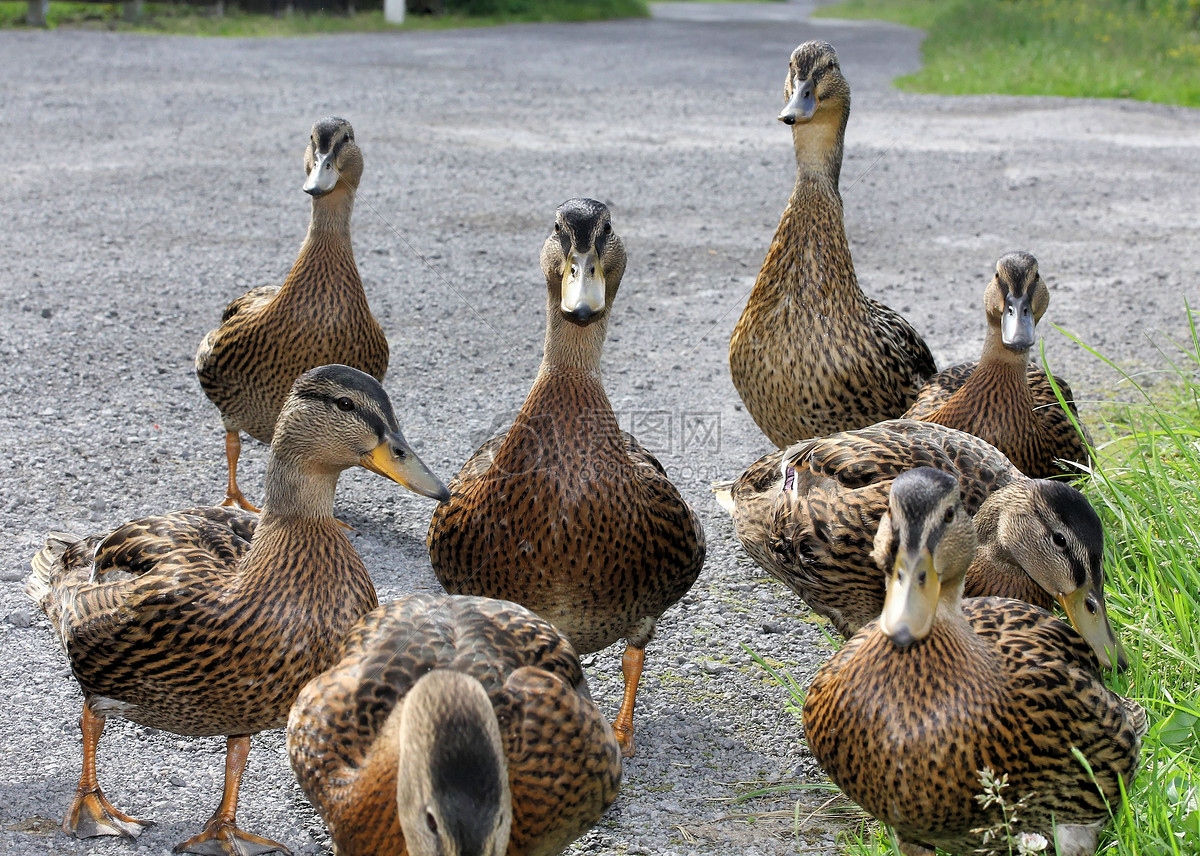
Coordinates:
(608, 228)
(344, 403)
(1060, 540)
(1090, 603)
(557, 228)
(346, 138)
(431, 822)
(949, 514)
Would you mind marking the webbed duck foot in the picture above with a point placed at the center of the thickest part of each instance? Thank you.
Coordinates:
(624, 735)
(235, 497)
(92, 815)
(222, 838)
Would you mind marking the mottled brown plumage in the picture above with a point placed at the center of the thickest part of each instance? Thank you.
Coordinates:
(808, 516)
(1004, 398)
(271, 335)
(812, 354)
(201, 622)
(915, 706)
(351, 746)
(566, 514)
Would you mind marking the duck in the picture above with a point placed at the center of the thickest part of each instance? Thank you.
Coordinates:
(811, 354)
(209, 621)
(982, 694)
(564, 513)
(454, 724)
(1004, 398)
(808, 516)
(271, 335)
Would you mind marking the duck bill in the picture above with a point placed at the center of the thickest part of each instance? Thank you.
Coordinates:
(583, 288)
(912, 598)
(803, 105)
(1094, 627)
(1017, 330)
(324, 175)
(395, 459)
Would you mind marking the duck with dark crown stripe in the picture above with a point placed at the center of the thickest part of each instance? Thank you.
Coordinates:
(454, 725)
(271, 335)
(201, 622)
(565, 513)
(1004, 398)
(918, 707)
(808, 516)
(811, 354)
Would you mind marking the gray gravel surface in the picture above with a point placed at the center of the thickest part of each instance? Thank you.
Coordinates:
(149, 180)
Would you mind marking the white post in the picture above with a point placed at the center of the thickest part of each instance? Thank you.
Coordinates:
(393, 11)
(38, 9)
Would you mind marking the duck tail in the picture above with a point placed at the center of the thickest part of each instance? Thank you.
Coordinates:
(47, 568)
(724, 494)
(1137, 716)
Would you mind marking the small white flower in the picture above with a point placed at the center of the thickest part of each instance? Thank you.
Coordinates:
(1030, 843)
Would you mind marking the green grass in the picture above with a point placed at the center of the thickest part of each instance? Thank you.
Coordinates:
(199, 21)
(1146, 488)
(1148, 50)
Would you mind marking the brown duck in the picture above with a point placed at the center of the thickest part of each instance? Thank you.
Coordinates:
(808, 516)
(565, 513)
(201, 623)
(909, 714)
(812, 354)
(1004, 398)
(271, 335)
(454, 725)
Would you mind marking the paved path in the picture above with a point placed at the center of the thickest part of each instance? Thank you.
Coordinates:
(148, 180)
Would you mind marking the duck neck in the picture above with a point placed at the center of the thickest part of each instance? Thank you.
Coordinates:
(327, 255)
(294, 490)
(809, 260)
(569, 347)
(819, 146)
(996, 358)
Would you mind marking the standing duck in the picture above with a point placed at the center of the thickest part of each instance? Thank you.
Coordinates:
(200, 623)
(454, 725)
(1004, 398)
(917, 706)
(271, 335)
(565, 513)
(812, 354)
(808, 516)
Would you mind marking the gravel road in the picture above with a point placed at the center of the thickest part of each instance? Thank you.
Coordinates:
(149, 180)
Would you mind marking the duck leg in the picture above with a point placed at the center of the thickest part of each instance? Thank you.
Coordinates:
(221, 836)
(91, 813)
(233, 494)
(631, 668)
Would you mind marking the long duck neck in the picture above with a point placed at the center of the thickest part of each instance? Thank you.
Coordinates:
(327, 254)
(995, 572)
(297, 519)
(809, 260)
(568, 395)
(1001, 365)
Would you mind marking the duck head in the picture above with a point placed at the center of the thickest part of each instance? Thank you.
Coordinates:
(452, 792)
(337, 417)
(1054, 534)
(583, 261)
(332, 159)
(924, 545)
(1015, 301)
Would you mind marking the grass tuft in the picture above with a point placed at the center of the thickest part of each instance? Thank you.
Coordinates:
(1148, 50)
